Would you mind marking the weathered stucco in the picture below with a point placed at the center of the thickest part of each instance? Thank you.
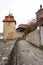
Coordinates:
(36, 37)
(9, 30)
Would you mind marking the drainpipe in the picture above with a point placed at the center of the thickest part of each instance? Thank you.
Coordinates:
(40, 35)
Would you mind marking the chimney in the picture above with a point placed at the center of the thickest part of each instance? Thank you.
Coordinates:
(40, 6)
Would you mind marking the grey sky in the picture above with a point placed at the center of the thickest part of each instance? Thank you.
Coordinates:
(22, 10)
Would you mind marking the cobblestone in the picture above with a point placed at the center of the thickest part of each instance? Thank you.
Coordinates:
(23, 53)
(27, 54)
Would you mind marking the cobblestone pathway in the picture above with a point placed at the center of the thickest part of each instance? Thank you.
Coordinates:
(27, 54)
(22, 53)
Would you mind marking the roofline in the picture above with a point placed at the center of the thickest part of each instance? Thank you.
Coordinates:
(39, 11)
(9, 21)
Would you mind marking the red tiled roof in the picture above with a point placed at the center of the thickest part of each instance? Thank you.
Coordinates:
(8, 18)
(23, 26)
(30, 26)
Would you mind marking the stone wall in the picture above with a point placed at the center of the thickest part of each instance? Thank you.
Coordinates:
(35, 37)
(9, 30)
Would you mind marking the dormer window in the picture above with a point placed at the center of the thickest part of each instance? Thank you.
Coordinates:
(9, 19)
(9, 22)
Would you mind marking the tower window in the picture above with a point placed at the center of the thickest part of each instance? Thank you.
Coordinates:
(9, 33)
(8, 22)
(9, 19)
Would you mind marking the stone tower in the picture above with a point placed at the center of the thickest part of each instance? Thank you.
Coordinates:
(39, 13)
(9, 27)
(39, 16)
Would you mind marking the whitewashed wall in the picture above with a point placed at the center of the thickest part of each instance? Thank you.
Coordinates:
(35, 37)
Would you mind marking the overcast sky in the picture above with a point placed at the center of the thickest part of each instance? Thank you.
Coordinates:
(22, 10)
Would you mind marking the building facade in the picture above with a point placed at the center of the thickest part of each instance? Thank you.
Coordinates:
(39, 16)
